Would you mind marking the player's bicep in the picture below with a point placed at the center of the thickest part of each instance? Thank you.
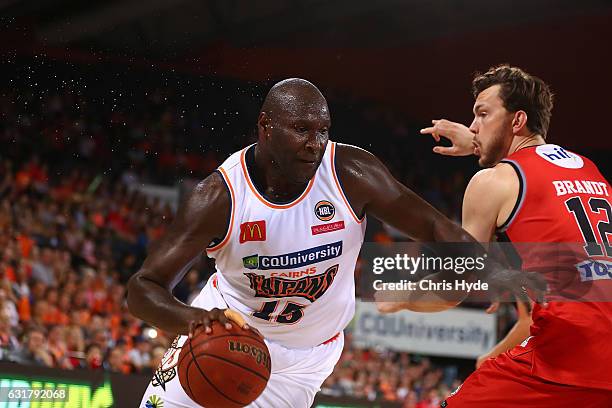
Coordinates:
(398, 206)
(481, 205)
(202, 218)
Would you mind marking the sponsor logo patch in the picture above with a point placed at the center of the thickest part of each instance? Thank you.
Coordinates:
(252, 231)
(324, 210)
(294, 259)
(296, 274)
(592, 270)
(260, 356)
(167, 368)
(323, 228)
(309, 287)
(154, 402)
(559, 156)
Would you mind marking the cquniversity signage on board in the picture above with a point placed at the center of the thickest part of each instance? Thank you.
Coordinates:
(453, 333)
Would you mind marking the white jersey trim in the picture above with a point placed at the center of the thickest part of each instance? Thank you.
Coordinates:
(233, 209)
(261, 198)
(339, 186)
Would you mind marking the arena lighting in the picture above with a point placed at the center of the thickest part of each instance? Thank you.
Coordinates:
(150, 332)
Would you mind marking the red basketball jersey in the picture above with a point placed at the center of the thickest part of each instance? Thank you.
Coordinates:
(561, 227)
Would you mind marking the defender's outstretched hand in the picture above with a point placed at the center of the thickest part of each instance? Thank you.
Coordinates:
(460, 136)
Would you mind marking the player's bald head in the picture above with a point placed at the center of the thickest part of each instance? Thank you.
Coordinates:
(292, 96)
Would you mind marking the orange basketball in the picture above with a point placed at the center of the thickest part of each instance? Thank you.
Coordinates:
(225, 369)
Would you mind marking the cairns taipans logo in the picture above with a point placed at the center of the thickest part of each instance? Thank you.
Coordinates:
(324, 210)
(154, 402)
(309, 287)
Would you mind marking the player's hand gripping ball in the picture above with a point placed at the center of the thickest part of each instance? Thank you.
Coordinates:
(226, 368)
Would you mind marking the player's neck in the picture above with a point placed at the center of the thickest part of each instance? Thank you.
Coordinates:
(521, 142)
(270, 182)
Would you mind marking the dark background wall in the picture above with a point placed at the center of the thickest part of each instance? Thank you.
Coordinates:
(413, 57)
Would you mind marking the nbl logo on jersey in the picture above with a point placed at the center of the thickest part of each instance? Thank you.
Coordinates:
(324, 210)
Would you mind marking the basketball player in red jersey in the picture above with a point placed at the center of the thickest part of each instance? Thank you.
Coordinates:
(539, 193)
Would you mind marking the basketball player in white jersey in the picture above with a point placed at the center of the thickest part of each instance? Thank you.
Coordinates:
(284, 220)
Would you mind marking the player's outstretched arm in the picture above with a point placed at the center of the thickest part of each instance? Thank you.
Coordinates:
(371, 188)
(460, 136)
(202, 218)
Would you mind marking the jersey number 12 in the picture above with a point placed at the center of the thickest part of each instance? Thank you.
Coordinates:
(597, 205)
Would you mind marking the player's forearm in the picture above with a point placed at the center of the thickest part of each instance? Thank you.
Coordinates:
(154, 304)
(425, 298)
(516, 335)
(455, 242)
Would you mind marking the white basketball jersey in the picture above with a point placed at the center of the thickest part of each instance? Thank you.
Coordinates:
(289, 268)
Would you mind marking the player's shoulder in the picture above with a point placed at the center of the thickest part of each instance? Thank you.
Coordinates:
(354, 160)
(233, 160)
(495, 180)
(347, 152)
(358, 167)
(211, 194)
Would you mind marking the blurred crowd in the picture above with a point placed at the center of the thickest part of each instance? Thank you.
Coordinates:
(385, 375)
(74, 227)
(66, 255)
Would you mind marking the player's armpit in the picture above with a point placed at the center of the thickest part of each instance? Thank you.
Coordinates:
(202, 218)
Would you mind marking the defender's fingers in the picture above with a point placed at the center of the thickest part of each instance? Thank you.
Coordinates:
(445, 151)
(431, 131)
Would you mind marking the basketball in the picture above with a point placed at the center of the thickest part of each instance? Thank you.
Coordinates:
(224, 369)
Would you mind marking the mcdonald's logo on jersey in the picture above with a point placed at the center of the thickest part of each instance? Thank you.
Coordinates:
(252, 231)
